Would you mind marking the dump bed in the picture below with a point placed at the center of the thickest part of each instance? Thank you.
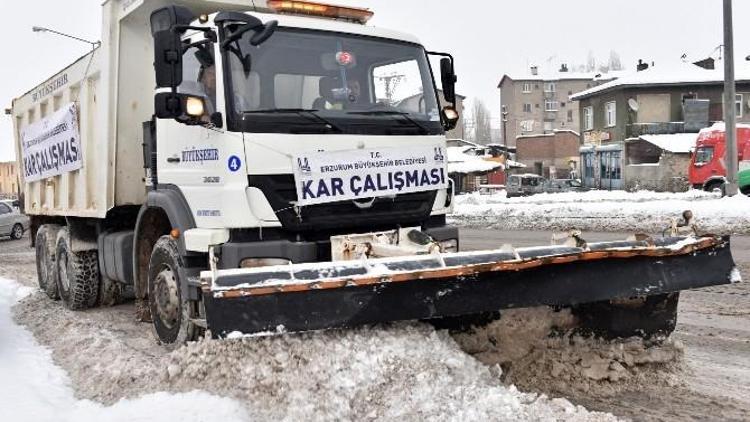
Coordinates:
(109, 92)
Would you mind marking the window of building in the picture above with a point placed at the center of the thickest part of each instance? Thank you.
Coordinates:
(588, 118)
(527, 126)
(527, 108)
(549, 87)
(548, 126)
(536, 105)
(610, 114)
(550, 105)
(738, 105)
(526, 88)
(570, 116)
(570, 93)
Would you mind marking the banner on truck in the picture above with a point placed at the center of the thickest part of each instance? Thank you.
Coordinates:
(323, 177)
(52, 146)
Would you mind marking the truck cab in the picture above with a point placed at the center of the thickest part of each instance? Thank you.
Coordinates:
(707, 169)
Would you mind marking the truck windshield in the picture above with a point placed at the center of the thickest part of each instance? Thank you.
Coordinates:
(704, 155)
(303, 81)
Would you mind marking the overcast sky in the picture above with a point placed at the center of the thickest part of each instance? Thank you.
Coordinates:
(487, 38)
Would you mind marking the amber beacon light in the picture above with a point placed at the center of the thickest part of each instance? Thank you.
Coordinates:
(355, 14)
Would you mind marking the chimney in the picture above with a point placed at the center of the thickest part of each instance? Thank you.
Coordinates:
(641, 66)
(534, 70)
(563, 68)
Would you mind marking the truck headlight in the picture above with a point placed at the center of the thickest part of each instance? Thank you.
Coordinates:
(194, 106)
(262, 262)
(450, 245)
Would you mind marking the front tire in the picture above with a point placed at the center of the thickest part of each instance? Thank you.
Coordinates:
(171, 313)
(45, 244)
(16, 232)
(77, 274)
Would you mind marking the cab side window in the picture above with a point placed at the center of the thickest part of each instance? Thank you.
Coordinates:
(4, 209)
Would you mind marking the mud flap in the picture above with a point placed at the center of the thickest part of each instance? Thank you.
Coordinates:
(329, 295)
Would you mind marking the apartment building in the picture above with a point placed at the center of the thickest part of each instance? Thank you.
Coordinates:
(651, 106)
(534, 102)
(8, 180)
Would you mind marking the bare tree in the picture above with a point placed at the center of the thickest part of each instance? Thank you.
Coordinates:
(482, 122)
(614, 61)
(591, 62)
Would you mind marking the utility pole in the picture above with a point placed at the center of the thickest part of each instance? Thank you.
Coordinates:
(730, 113)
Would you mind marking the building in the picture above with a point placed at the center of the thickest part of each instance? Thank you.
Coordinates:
(658, 100)
(8, 180)
(554, 155)
(658, 162)
(537, 103)
(412, 103)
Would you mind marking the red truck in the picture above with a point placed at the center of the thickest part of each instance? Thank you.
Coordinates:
(707, 170)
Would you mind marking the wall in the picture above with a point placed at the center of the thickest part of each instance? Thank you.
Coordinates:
(552, 150)
(668, 175)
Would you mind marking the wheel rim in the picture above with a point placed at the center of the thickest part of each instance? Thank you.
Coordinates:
(17, 232)
(167, 298)
(62, 269)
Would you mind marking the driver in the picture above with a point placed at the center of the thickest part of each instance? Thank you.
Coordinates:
(334, 97)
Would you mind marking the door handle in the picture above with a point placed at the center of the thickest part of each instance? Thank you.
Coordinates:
(173, 160)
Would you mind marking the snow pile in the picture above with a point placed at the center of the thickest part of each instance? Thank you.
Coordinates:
(398, 372)
(568, 364)
(34, 389)
(604, 211)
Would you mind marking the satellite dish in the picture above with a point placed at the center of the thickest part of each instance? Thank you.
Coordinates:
(633, 104)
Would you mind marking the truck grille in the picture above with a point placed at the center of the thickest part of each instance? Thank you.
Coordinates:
(406, 209)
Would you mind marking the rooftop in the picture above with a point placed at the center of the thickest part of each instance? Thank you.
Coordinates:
(679, 73)
(674, 142)
(557, 76)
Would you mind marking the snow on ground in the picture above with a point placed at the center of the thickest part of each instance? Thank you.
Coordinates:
(404, 371)
(641, 211)
(32, 388)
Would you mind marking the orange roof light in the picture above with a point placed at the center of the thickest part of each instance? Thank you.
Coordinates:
(355, 14)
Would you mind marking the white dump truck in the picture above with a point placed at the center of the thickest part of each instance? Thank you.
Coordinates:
(279, 166)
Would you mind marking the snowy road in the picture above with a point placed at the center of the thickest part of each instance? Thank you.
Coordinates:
(113, 370)
(112, 367)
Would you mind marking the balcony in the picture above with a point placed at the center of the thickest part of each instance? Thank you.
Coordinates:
(660, 128)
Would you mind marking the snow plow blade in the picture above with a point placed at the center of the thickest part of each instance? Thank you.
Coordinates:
(306, 297)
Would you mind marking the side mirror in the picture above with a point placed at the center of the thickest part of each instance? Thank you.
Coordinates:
(448, 79)
(264, 34)
(450, 118)
(166, 28)
(167, 59)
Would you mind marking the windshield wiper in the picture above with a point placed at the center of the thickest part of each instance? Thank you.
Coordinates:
(403, 114)
(298, 111)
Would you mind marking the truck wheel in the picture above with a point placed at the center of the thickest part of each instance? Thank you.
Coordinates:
(712, 186)
(110, 292)
(652, 316)
(171, 313)
(77, 274)
(46, 273)
(17, 232)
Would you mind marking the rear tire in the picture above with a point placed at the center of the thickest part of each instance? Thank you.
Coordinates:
(77, 274)
(16, 232)
(171, 313)
(45, 244)
(652, 316)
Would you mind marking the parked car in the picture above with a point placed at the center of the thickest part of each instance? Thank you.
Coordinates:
(564, 185)
(12, 222)
(524, 184)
